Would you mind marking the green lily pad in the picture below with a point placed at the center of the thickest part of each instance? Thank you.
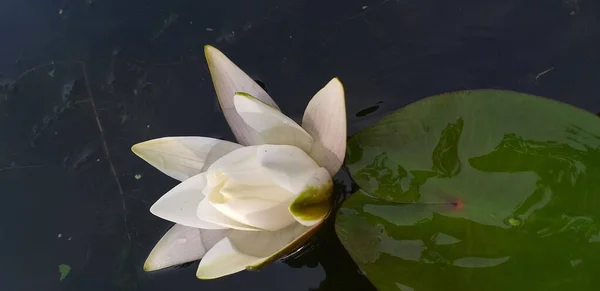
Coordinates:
(476, 190)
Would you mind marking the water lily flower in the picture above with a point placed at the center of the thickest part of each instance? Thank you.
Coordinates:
(243, 205)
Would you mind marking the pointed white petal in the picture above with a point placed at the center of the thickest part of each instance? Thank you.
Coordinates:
(229, 79)
(222, 260)
(287, 166)
(325, 120)
(272, 126)
(182, 244)
(180, 204)
(183, 157)
(207, 212)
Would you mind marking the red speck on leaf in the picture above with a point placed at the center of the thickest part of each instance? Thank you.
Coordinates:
(458, 204)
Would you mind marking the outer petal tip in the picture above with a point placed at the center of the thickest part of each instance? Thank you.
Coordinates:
(147, 267)
(180, 204)
(338, 83)
(228, 78)
(138, 148)
(134, 148)
(325, 120)
(182, 157)
(211, 52)
(150, 265)
(180, 245)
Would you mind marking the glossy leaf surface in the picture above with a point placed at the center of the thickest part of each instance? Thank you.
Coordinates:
(476, 190)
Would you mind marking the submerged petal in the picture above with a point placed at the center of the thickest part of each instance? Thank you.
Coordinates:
(180, 204)
(272, 126)
(251, 250)
(271, 245)
(183, 157)
(182, 244)
(325, 120)
(264, 244)
(222, 260)
(229, 79)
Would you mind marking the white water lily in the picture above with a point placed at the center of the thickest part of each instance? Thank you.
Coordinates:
(241, 206)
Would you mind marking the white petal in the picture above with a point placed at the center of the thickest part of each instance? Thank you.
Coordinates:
(239, 175)
(259, 213)
(272, 192)
(234, 158)
(240, 165)
(183, 157)
(287, 166)
(207, 212)
(229, 79)
(222, 260)
(325, 120)
(182, 244)
(272, 125)
(180, 204)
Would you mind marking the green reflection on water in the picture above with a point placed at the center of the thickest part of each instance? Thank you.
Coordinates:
(468, 191)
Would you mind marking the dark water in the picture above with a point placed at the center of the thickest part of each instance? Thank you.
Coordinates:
(83, 80)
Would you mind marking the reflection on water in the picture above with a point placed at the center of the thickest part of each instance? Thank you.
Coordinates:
(403, 185)
(479, 262)
(408, 250)
(400, 185)
(445, 155)
(441, 238)
(567, 182)
(523, 216)
(411, 213)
